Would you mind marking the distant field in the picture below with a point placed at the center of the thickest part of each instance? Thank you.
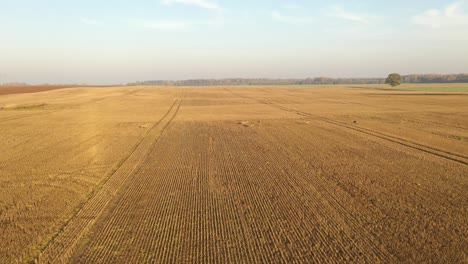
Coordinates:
(437, 89)
(28, 89)
(456, 87)
(262, 174)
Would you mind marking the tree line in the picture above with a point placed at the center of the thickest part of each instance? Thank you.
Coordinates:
(413, 78)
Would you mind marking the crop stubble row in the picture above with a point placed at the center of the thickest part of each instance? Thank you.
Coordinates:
(221, 201)
(60, 248)
(51, 165)
(288, 190)
(219, 192)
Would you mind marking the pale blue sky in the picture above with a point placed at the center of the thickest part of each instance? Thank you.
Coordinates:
(119, 41)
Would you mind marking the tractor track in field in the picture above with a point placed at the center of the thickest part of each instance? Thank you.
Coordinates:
(61, 247)
(113, 204)
(461, 159)
(436, 123)
(390, 108)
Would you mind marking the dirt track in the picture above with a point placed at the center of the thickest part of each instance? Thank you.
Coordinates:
(234, 175)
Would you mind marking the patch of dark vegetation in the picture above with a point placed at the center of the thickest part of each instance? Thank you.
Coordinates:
(28, 107)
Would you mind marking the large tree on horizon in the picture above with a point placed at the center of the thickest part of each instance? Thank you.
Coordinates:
(393, 79)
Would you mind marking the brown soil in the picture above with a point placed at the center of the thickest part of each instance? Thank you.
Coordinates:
(28, 89)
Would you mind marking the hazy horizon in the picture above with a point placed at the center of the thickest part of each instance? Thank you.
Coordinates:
(113, 42)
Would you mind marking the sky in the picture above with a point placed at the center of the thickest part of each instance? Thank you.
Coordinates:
(121, 41)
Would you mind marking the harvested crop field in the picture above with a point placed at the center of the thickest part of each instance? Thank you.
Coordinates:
(306, 174)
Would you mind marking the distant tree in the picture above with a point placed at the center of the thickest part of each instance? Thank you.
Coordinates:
(393, 79)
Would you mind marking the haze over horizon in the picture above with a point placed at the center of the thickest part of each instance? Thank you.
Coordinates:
(111, 42)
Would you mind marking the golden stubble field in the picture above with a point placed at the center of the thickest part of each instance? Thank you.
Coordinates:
(234, 175)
